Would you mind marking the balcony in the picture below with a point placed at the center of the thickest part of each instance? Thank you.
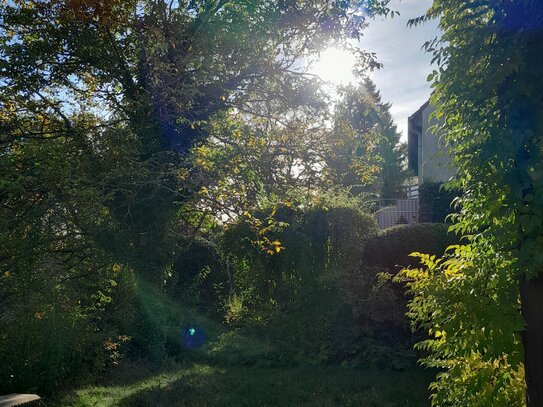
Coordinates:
(391, 212)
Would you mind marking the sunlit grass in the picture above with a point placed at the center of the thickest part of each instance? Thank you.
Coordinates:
(112, 395)
(207, 385)
(238, 370)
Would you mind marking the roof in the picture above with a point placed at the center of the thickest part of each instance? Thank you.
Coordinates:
(418, 112)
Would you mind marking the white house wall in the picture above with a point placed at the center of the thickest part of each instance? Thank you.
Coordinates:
(435, 163)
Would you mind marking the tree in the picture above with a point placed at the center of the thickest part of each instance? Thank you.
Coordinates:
(390, 149)
(102, 107)
(365, 149)
(58, 272)
(160, 70)
(250, 161)
(488, 89)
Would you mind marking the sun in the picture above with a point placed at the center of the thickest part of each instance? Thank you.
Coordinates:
(335, 66)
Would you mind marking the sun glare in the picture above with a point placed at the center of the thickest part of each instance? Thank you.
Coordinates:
(335, 66)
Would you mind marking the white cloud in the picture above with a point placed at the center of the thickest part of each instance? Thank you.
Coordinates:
(402, 80)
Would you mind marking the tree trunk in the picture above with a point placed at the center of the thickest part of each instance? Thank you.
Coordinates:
(531, 296)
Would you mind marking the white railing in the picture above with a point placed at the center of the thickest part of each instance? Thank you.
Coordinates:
(412, 192)
(390, 212)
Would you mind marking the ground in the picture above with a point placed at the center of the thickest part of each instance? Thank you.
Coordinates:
(198, 384)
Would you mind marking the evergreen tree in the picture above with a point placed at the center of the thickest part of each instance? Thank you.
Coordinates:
(390, 149)
(366, 153)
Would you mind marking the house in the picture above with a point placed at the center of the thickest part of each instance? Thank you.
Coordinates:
(430, 162)
(428, 157)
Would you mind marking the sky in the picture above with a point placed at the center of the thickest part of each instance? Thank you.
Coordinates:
(402, 80)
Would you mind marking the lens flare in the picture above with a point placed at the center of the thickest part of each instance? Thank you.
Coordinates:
(193, 336)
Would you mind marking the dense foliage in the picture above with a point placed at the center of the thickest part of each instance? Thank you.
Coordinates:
(472, 322)
(488, 89)
(129, 130)
(379, 305)
(158, 157)
(365, 153)
(398, 242)
(436, 202)
(294, 297)
(324, 296)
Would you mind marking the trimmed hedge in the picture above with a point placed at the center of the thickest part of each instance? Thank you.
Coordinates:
(391, 247)
(380, 307)
(435, 202)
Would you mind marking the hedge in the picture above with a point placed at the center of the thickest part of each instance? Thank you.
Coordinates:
(381, 306)
(391, 247)
(435, 202)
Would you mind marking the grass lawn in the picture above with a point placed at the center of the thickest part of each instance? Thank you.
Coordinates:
(201, 384)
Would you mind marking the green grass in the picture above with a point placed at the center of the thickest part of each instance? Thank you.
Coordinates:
(201, 384)
(243, 370)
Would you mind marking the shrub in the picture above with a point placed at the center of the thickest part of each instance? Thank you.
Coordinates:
(435, 202)
(198, 277)
(378, 306)
(390, 249)
(57, 331)
(473, 326)
(294, 297)
(320, 299)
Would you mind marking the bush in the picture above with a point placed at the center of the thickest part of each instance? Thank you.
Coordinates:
(320, 300)
(378, 306)
(56, 331)
(294, 298)
(390, 249)
(435, 202)
(473, 326)
(199, 277)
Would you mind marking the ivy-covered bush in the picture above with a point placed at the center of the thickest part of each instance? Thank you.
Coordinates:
(295, 297)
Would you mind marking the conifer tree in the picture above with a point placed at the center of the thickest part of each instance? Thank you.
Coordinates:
(365, 140)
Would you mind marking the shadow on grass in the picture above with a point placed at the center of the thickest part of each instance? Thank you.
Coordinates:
(204, 385)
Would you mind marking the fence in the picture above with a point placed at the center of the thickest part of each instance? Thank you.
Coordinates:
(390, 212)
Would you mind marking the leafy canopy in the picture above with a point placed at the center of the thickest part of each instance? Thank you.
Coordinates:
(487, 93)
